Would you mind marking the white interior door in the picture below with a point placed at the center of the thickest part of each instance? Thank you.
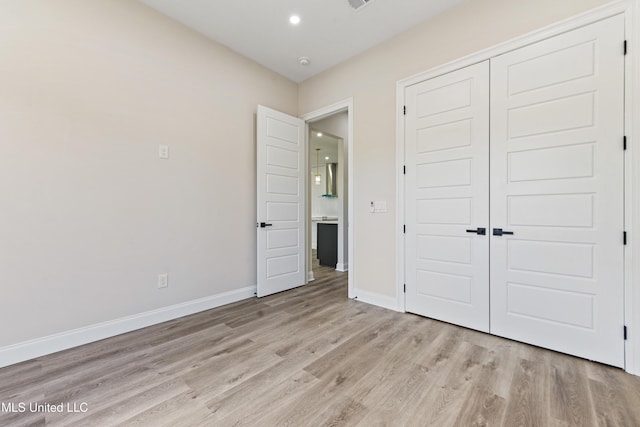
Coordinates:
(281, 209)
(557, 185)
(447, 197)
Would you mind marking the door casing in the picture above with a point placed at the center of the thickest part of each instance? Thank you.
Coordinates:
(338, 107)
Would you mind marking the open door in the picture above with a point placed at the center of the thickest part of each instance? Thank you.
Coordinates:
(281, 188)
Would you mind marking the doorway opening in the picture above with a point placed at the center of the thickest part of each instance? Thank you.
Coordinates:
(329, 198)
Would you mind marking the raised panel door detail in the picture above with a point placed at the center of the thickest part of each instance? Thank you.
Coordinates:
(562, 114)
(447, 173)
(561, 66)
(283, 211)
(451, 287)
(444, 99)
(283, 238)
(282, 184)
(557, 164)
(444, 136)
(281, 265)
(551, 257)
(444, 211)
(552, 210)
(575, 161)
(447, 192)
(444, 248)
(283, 131)
(283, 158)
(551, 305)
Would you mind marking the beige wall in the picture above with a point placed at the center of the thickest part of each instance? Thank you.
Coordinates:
(89, 216)
(370, 79)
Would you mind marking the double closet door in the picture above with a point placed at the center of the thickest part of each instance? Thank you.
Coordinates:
(515, 194)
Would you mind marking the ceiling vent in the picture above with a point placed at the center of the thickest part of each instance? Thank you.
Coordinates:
(357, 4)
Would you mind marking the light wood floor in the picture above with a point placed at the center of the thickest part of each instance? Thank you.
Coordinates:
(312, 357)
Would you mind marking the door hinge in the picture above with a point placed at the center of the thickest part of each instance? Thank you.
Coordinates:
(624, 142)
(404, 110)
(624, 237)
(405, 291)
(625, 332)
(404, 170)
(404, 228)
(625, 47)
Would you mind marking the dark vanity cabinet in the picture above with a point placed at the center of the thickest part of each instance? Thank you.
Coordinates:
(328, 244)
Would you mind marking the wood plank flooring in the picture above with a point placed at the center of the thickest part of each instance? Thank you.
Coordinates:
(311, 357)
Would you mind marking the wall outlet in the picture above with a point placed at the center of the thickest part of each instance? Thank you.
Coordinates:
(163, 151)
(163, 280)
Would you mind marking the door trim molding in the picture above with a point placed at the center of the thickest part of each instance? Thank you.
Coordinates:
(321, 113)
(631, 11)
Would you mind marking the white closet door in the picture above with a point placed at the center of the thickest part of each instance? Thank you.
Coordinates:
(557, 184)
(447, 194)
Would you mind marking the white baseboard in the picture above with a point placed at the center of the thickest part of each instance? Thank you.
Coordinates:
(310, 276)
(27, 350)
(342, 266)
(373, 298)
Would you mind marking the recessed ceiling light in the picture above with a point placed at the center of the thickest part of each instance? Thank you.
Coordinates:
(294, 19)
(326, 158)
(319, 134)
(303, 60)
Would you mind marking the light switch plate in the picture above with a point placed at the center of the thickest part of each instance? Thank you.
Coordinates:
(380, 206)
(163, 151)
(163, 280)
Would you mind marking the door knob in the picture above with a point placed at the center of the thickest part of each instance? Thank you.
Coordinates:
(264, 224)
(479, 231)
(500, 232)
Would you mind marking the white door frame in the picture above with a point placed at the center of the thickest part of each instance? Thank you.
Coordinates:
(338, 107)
(631, 11)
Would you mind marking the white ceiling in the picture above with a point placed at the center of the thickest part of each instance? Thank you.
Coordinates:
(330, 31)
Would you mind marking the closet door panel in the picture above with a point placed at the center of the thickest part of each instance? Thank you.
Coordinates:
(557, 184)
(447, 193)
